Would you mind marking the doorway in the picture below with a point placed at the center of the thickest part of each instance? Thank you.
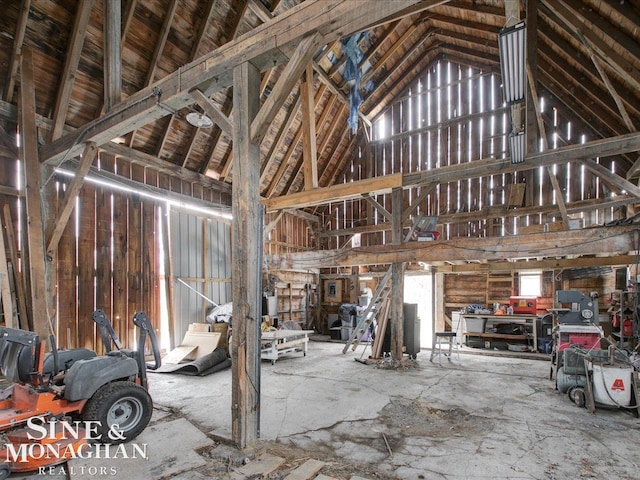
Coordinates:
(417, 289)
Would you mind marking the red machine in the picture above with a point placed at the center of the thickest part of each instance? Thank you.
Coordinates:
(524, 305)
(61, 400)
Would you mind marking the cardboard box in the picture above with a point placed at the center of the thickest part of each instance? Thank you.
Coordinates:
(199, 327)
(222, 328)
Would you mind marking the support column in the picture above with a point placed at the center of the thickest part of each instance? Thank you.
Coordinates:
(532, 63)
(397, 279)
(40, 274)
(246, 259)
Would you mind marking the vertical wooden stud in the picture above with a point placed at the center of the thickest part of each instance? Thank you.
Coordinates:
(247, 259)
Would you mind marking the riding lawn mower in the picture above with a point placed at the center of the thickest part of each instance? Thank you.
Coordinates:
(61, 402)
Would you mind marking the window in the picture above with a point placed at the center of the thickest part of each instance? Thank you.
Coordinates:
(530, 284)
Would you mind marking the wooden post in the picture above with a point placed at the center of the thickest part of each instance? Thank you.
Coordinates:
(397, 279)
(247, 259)
(33, 185)
(112, 54)
(7, 303)
(310, 165)
(168, 274)
(532, 63)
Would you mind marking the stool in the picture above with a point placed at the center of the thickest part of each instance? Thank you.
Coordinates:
(444, 338)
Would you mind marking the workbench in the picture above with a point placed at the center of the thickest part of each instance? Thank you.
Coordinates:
(280, 342)
(530, 321)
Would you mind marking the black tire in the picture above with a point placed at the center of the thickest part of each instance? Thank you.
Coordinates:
(5, 471)
(577, 396)
(124, 404)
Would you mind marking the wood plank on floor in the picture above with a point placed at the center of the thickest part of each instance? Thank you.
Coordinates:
(305, 471)
(323, 477)
(263, 465)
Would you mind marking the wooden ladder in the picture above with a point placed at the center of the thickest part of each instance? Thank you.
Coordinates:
(371, 312)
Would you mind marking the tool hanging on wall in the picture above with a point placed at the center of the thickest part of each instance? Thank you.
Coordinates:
(197, 292)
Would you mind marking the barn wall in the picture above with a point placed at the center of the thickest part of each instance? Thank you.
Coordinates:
(109, 255)
(201, 253)
(296, 291)
(454, 115)
(461, 290)
(108, 259)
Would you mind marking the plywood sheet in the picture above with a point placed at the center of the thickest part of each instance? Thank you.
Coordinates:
(206, 342)
(179, 353)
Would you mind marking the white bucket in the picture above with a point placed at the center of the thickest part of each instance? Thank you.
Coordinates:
(612, 385)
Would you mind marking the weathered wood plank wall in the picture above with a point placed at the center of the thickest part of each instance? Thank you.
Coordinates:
(107, 259)
(455, 114)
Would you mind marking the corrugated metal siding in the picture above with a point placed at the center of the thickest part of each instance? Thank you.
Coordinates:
(202, 259)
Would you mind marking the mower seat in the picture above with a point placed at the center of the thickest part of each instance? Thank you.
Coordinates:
(66, 358)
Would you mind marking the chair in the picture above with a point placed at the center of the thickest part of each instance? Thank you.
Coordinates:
(448, 339)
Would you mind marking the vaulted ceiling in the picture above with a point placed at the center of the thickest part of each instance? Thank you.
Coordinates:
(588, 59)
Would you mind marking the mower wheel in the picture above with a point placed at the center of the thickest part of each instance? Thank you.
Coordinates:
(5, 471)
(123, 410)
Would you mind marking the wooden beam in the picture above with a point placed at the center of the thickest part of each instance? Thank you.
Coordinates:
(424, 192)
(280, 137)
(583, 82)
(260, 10)
(611, 178)
(319, 196)
(479, 168)
(545, 146)
(120, 182)
(304, 215)
(576, 22)
(72, 59)
(264, 46)
(284, 162)
(551, 264)
(190, 144)
(309, 147)
(9, 142)
(272, 224)
(247, 264)
(605, 79)
(588, 241)
(112, 29)
(161, 42)
(33, 185)
(14, 192)
(18, 40)
(213, 112)
(141, 158)
(397, 279)
(375, 204)
(283, 87)
(497, 211)
(532, 45)
(64, 213)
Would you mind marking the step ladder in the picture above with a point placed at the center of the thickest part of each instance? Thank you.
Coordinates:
(371, 312)
(423, 223)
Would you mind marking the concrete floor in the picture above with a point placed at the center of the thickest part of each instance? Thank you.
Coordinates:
(480, 417)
